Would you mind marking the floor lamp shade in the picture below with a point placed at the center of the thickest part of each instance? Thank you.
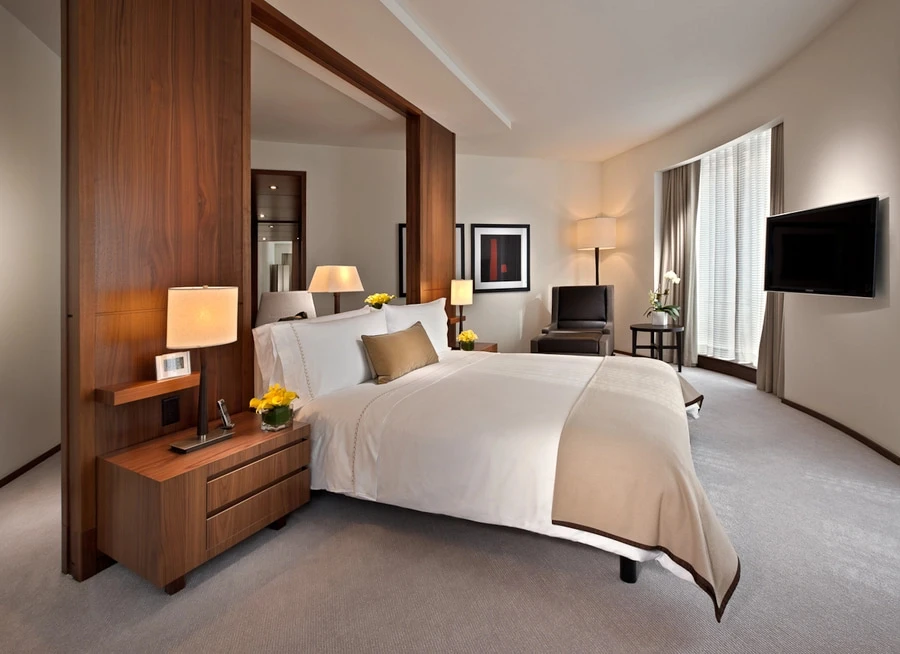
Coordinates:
(337, 280)
(596, 234)
(198, 317)
(201, 316)
(599, 232)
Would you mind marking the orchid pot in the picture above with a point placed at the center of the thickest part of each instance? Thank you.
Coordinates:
(659, 318)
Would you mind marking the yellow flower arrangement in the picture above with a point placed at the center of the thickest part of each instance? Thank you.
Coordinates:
(467, 340)
(275, 397)
(376, 300)
(467, 336)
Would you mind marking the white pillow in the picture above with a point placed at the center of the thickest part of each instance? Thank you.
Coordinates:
(346, 314)
(431, 315)
(266, 357)
(264, 370)
(317, 358)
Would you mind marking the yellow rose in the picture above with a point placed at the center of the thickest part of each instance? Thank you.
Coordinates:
(378, 299)
(276, 396)
(467, 336)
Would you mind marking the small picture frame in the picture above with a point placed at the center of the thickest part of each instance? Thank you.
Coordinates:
(176, 364)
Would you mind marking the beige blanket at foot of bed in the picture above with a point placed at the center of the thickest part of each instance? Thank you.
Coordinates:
(624, 471)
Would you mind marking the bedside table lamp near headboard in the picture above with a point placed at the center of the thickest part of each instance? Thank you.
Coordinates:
(460, 296)
(337, 280)
(198, 317)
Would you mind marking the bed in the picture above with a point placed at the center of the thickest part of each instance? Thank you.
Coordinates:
(479, 436)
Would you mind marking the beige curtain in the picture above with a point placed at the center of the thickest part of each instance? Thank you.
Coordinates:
(680, 189)
(770, 370)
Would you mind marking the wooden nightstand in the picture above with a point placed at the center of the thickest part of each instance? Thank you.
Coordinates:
(482, 346)
(162, 514)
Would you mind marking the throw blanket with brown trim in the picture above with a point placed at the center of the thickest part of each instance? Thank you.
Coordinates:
(624, 471)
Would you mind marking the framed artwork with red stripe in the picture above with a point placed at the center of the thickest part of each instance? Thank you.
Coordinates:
(501, 258)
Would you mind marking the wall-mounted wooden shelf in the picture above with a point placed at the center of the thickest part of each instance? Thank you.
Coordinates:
(133, 391)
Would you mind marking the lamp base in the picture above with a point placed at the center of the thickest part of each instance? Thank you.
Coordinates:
(191, 444)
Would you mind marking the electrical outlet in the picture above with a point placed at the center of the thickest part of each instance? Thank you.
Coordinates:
(171, 411)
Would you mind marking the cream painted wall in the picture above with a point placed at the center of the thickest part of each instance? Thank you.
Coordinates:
(356, 198)
(548, 195)
(840, 102)
(30, 232)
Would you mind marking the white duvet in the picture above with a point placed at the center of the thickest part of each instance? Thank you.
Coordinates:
(474, 436)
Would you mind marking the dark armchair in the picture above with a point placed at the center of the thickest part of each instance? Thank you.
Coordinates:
(582, 322)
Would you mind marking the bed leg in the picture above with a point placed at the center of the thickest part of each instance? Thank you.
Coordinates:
(628, 570)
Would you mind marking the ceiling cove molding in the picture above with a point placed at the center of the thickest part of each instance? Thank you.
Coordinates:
(281, 49)
(402, 14)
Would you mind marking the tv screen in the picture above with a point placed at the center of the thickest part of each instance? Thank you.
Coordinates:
(828, 251)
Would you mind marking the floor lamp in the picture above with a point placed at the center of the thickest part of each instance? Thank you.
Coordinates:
(596, 234)
(337, 280)
(198, 317)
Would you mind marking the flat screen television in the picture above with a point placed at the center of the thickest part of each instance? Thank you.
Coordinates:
(826, 251)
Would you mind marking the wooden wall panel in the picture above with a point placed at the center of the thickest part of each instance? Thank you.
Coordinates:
(431, 210)
(156, 152)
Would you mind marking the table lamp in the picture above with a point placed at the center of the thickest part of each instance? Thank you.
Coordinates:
(198, 317)
(460, 296)
(275, 305)
(337, 280)
(596, 234)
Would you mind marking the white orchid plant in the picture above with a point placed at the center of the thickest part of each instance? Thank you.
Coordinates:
(660, 295)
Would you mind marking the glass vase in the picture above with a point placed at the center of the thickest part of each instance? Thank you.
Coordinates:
(277, 418)
(467, 346)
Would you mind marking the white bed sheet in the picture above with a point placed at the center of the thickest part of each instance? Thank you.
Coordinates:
(474, 436)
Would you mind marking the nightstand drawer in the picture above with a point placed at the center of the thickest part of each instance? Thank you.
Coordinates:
(254, 513)
(259, 474)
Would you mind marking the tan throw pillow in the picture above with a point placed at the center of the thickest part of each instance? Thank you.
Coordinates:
(394, 355)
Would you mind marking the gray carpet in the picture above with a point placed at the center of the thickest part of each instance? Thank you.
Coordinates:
(814, 515)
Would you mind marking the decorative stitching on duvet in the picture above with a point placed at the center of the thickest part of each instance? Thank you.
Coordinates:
(303, 357)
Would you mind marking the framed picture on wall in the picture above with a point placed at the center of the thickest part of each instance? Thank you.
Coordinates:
(501, 258)
(458, 273)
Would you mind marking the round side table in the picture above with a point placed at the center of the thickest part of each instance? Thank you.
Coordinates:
(656, 347)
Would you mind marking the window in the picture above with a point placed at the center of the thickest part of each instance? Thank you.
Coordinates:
(730, 248)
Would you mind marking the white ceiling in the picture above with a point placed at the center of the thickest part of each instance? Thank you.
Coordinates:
(567, 79)
(293, 100)
(579, 79)
(42, 17)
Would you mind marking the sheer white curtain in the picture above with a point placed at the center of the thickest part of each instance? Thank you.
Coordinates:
(730, 248)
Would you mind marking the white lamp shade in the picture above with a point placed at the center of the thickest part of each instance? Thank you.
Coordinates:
(275, 306)
(335, 279)
(201, 316)
(599, 232)
(460, 292)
